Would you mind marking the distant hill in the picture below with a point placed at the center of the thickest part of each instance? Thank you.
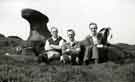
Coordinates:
(15, 41)
(10, 41)
(3, 41)
(8, 44)
(127, 48)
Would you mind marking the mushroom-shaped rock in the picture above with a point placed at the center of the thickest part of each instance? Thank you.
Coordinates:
(38, 24)
(39, 32)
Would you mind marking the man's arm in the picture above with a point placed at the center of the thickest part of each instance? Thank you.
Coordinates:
(65, 49)
(47, 46)
(58, 46)
(77, 48)
(55, 46)
(88, 40)
(76, 51)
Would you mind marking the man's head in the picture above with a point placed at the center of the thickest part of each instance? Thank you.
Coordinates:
(70, 34)
(93, 28)
(54, 31)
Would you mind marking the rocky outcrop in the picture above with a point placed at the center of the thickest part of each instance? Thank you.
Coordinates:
(38, 24)
(39, 32)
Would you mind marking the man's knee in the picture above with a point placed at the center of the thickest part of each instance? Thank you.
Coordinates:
(53, 54)
(42, 58)
(65, 58)
(77, 60)
(88, 47)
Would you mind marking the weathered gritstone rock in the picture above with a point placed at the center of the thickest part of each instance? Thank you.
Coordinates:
(39, 32)
(38, 24)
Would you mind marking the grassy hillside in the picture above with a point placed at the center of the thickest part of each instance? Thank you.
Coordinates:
(26, 69)
(105, 72)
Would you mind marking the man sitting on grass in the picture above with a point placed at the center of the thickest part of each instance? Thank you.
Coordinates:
(71, 49)
(53, 45)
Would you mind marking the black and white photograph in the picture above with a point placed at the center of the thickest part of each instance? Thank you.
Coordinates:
(67, 41)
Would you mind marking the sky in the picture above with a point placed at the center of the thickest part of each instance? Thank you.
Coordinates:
(74, 14)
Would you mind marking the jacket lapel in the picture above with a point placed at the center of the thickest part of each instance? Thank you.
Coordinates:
(90, 40)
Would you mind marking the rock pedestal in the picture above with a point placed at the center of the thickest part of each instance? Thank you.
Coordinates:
(38, 28)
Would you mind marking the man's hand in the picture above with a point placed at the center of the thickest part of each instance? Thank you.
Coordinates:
(55, 46)
(100, 46)
(105, 46)
(68, 50)
(52, 46)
